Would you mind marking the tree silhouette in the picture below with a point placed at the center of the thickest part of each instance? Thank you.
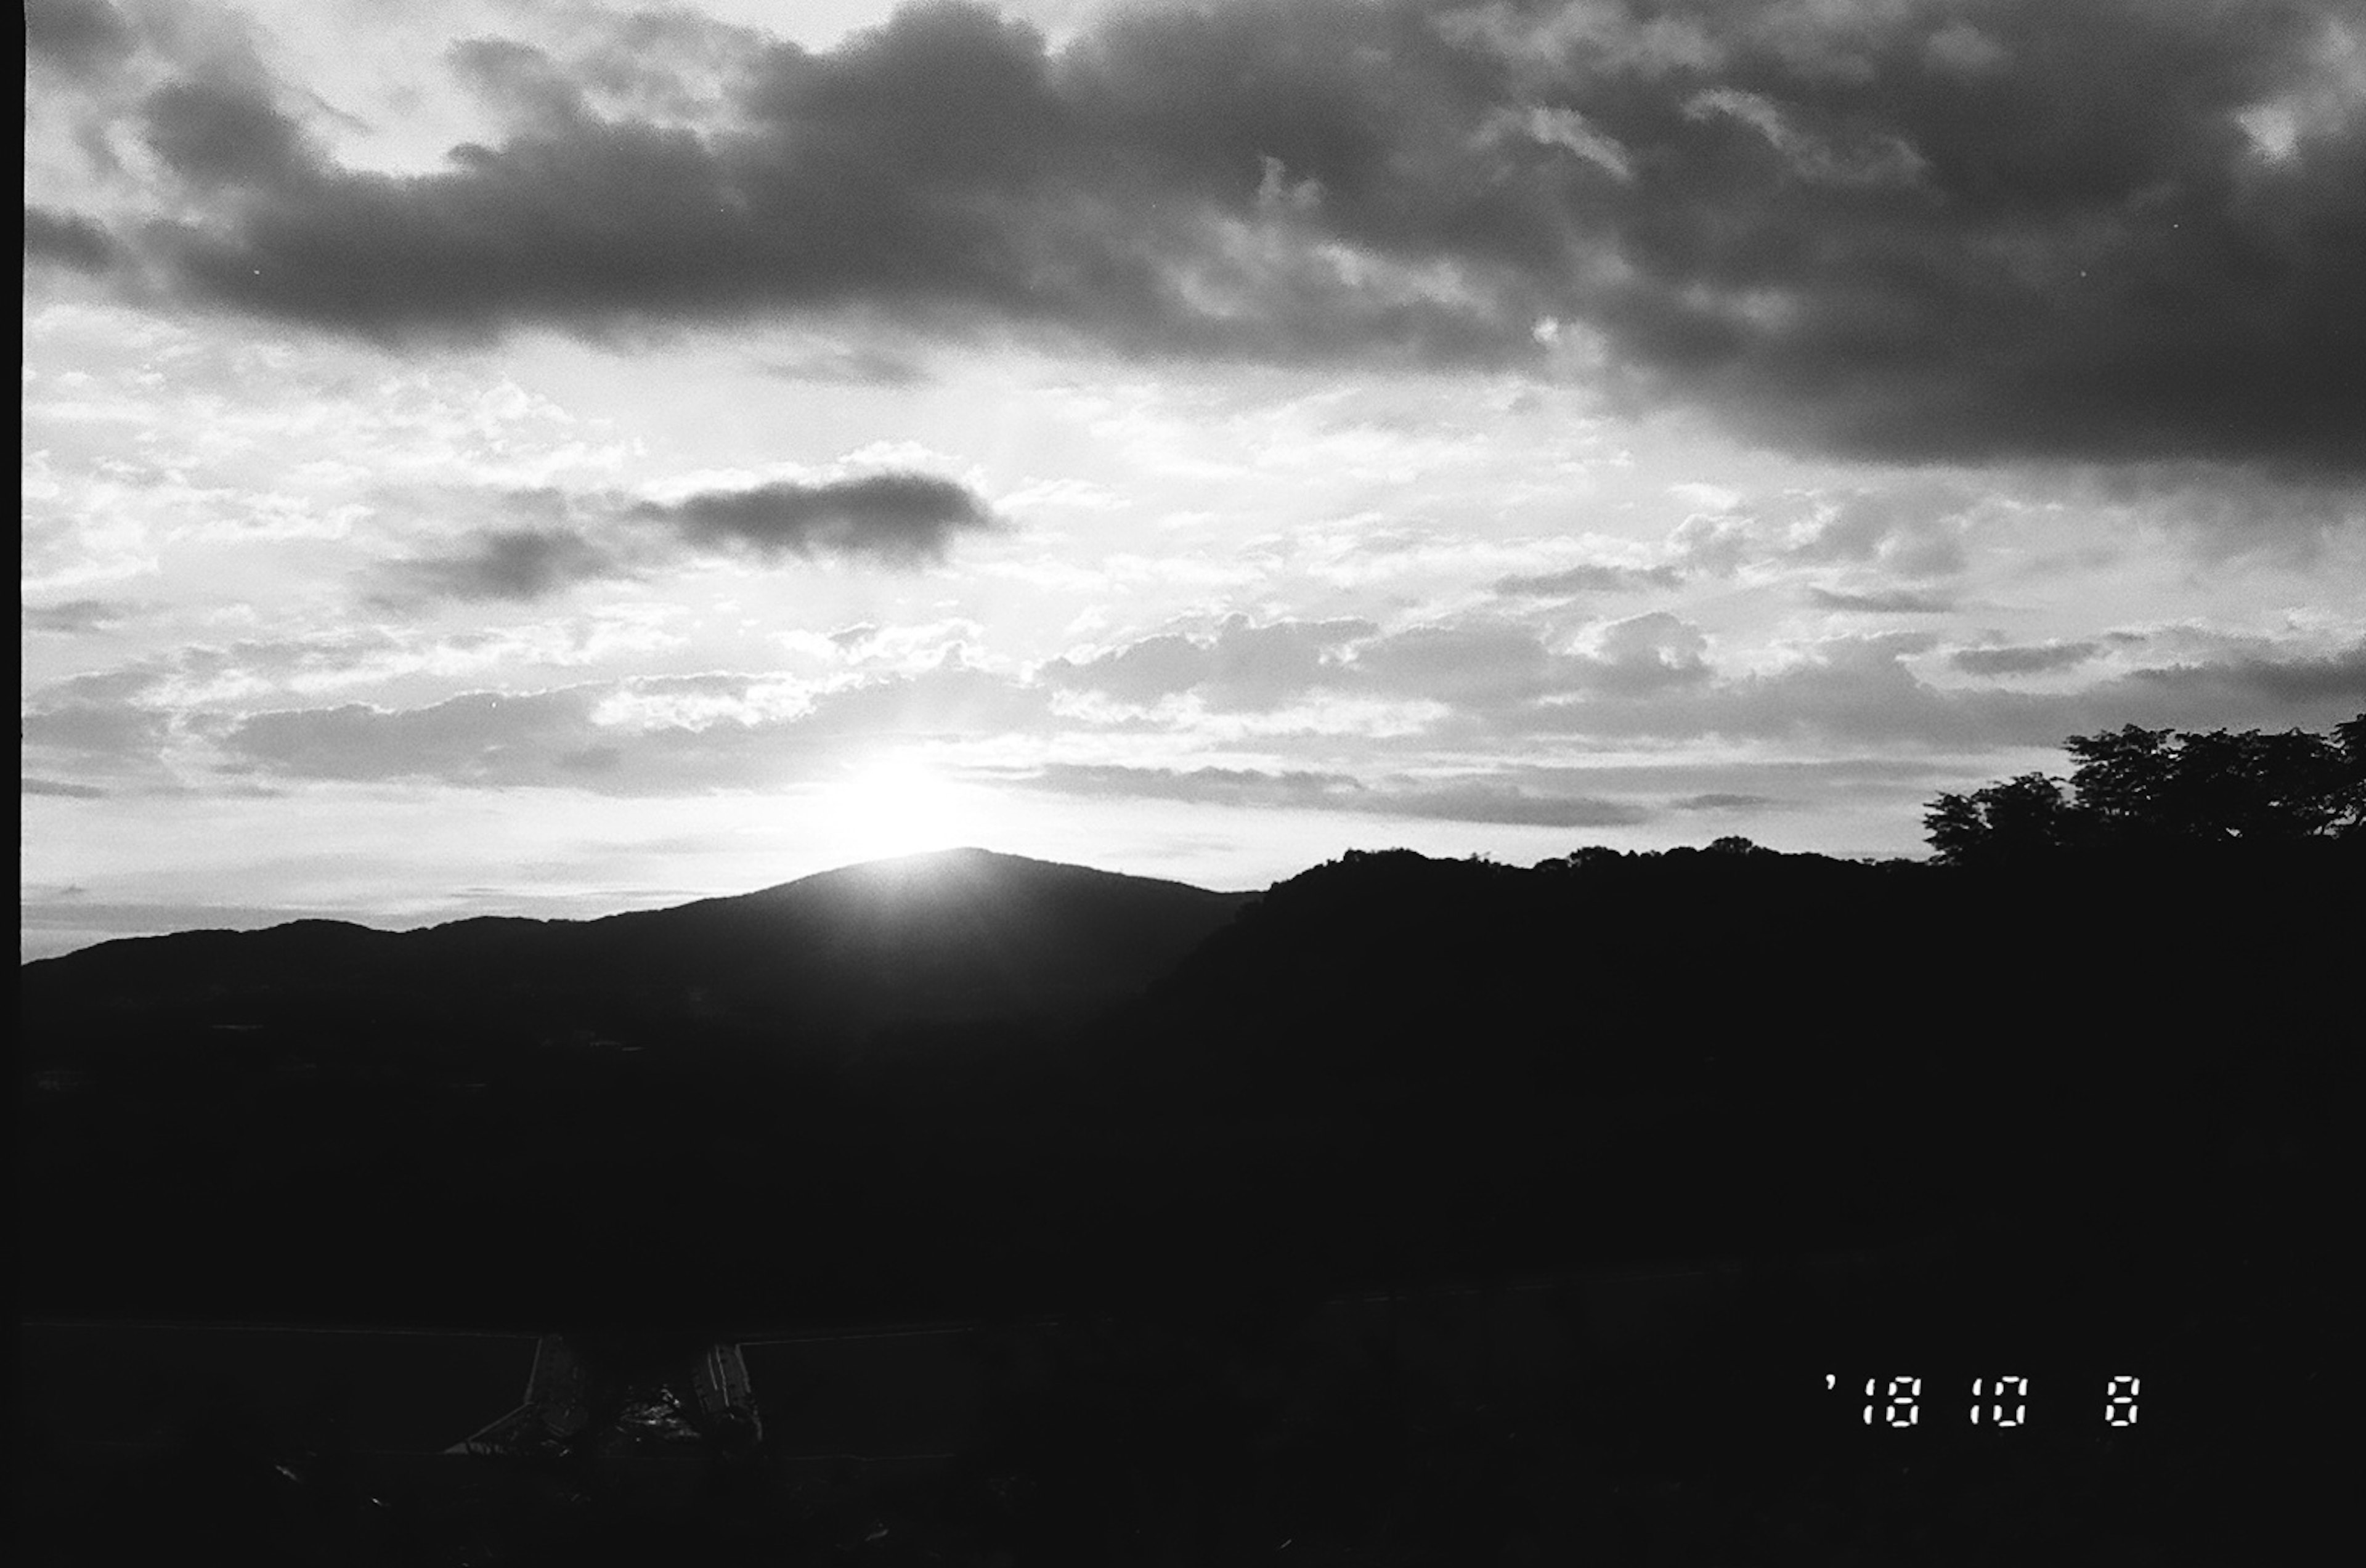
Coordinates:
(2138, 788)
(2009, 821)
(2350, 794)
(2127, 779)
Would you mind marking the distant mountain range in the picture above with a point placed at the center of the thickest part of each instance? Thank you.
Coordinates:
(953, 935)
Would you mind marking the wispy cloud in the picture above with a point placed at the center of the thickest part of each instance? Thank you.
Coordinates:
(2035, 658)
(1885, 600)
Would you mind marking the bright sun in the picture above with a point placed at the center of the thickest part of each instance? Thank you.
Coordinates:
(896, 805)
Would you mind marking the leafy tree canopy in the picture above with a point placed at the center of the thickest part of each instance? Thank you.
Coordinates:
(2134, 787)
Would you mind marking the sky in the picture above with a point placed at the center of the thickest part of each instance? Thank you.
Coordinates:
(493, 458)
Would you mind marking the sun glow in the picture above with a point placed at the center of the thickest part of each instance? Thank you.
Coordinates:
(897, 804)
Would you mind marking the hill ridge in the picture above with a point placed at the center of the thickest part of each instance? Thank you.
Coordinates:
(944, 935)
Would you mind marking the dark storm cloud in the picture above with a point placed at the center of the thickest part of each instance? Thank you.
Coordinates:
(65, 240)
(946, 166)
(895, 519)
(223, 133)
(2025, 659)
(2071, 264)
(2114, 230)
(80, 36)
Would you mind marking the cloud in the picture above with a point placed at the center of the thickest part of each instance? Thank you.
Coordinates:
(1646, 655)
(1960, 47)
(28, 785)
(1473, 663)
(1886, 601)
(1913, 528)
(850, 367)
(1215, 786)
(894, 519)
(1590, 578)
(2332, 681)
(1474, 799)
(74, 617)
(1861, 691)
(1908, 527)
(222, 133)
(1487, 800)
(1562, 127)
(1719, 801)
(80, 36)
(95, 729)
(484, 739)
(515, 564)
(1875, 160)
(1241, 667)
(2045, 235)
(659, 735)
(520, 79)
(1643, 684)
(1478, 665)
(62, 239)
(2027, 659)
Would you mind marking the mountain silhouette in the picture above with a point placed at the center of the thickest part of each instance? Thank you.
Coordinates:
(948, 936)
(971, 1081)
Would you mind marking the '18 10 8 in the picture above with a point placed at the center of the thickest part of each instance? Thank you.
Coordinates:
(1996, 1402)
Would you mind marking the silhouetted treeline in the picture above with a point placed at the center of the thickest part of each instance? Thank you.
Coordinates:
(2141, 792)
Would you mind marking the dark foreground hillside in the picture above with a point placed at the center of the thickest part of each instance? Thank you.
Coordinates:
(1387, 1067)
(2086, 1110)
